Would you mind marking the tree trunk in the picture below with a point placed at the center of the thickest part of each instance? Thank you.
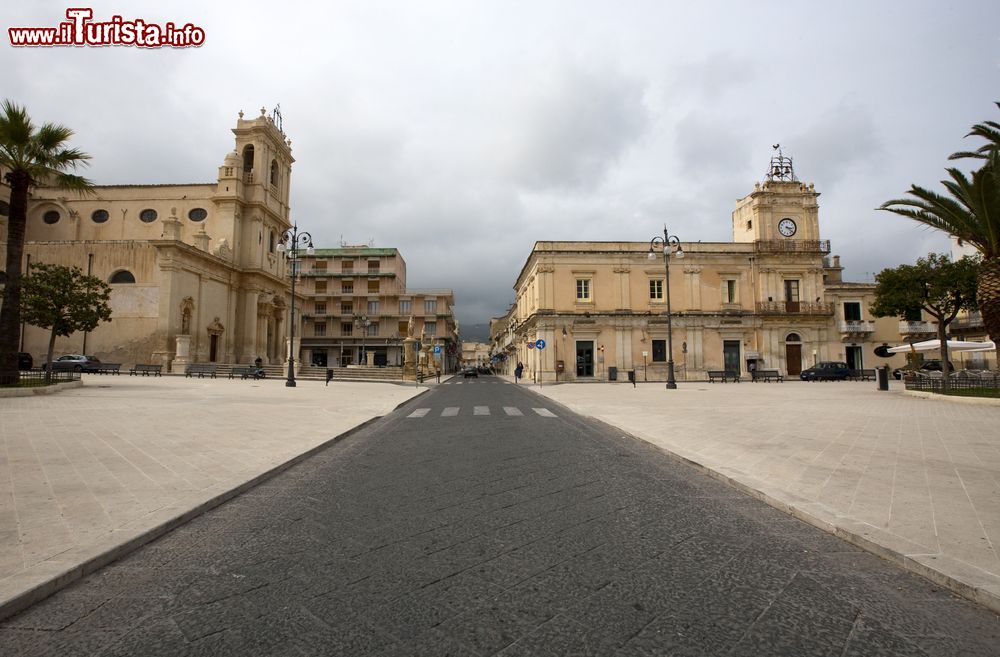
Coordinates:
(988, 295)
(10, 313)
(943, 339)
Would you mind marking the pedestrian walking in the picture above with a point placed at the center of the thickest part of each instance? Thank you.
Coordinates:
(518, 371)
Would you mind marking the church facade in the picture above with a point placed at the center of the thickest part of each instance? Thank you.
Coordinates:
(771, 299)
(195, 271)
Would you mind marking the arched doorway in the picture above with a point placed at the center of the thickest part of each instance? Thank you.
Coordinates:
(793, 354)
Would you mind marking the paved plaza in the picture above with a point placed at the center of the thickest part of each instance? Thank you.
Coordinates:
(89, 470)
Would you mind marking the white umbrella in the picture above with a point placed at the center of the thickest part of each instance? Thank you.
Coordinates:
(935, 345)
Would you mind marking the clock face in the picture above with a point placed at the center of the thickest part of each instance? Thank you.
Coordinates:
(786, 227)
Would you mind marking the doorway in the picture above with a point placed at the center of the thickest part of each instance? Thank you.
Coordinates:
(793, 356)
(585, 358)
(319, 358)
(213, 348)
(792, 296)
(731, 355)
(854, 357)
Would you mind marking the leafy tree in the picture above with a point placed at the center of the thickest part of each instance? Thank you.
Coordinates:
(65, 300)
(935, 285)
(29, 157)
(971, 212)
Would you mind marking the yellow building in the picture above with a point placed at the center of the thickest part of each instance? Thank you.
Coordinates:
(358, 310)
(194, 269)
(772, 298)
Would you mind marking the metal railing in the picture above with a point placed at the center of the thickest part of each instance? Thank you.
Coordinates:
(795, 307)
(911, 328)
(793, 246)
(964, 380)
(857, 326)
(31, 378)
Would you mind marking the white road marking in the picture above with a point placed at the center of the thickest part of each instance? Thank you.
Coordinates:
(480, 410)
(544, 412)
(420, 412)
(450, 411)
(513, 410)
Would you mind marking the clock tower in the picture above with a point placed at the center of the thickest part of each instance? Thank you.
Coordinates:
(781, 209)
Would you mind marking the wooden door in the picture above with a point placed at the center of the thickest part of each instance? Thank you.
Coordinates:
(793, 357)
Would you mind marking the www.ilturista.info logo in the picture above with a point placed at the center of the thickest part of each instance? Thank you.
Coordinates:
(80, 30)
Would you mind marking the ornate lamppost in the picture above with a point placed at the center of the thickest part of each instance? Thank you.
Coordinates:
(669, 243)
(363, 323)
(293, 241)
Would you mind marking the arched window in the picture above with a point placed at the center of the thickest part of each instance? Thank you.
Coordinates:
(51, 217)
(248, 158)
(274, 172)
(793, 337)
(270, 242)
(123, 276)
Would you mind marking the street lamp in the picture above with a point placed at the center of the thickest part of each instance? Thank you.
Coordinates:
(363, 323)
(668, 243)
(293, 241)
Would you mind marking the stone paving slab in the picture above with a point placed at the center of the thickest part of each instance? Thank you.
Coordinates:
(913, 479)
(90, 473)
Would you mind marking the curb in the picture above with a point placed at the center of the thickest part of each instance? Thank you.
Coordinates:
(67, 574)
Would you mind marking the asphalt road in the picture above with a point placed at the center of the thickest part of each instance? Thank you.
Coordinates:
(480, 519)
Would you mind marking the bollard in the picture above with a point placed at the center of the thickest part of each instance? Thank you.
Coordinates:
(882, 374)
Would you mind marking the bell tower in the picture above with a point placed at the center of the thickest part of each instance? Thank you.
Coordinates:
(781, 209)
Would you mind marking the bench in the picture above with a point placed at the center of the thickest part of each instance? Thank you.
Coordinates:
(243, 371)
(723, 375)
(106, 368)
(861, 375)
(766, 375)
(145, 369)
(201, 369)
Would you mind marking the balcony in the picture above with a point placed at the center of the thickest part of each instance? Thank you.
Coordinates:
(793, 246)
(817, 308)
(857, 327)
(969, 322)
(917, 328)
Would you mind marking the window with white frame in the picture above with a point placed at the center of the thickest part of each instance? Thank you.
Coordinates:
(373, 330)
(346, 328)
(320, 308)
(430, 306)
(430, 328)
(319, 329)
(583, 289)
(656, 289)
(405, 306)
(373, 307)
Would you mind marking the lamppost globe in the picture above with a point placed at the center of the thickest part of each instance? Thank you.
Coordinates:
(293, 241)
(668, 243)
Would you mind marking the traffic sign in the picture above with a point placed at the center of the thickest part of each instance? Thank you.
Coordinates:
(437, 348)
(540, 344)
(531, 345)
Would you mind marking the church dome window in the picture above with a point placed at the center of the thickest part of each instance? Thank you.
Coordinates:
(51, 217)
(198, 214)
(123, 276)
(148, 216)
(99, 216)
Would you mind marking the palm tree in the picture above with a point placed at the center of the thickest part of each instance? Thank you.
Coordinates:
(28, 157)
(971, 212)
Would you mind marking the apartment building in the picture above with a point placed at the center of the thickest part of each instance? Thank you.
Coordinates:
(357, 310)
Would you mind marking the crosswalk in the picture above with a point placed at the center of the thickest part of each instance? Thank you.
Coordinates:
(456, 411)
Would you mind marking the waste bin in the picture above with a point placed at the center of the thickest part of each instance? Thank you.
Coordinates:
(612, 373)
(882, 374)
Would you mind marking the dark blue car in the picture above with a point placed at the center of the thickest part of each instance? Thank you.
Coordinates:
(826, 371)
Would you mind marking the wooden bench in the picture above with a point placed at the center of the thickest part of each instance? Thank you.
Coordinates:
(145, 369)
(861, 375)
(242, 371)
(766, 375)
(723, 375)
(201, 369)
(106, 368)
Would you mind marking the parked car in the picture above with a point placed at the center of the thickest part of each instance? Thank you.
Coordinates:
(931, 365)
(24, 361)
(471, 371)
(826, 371)
(74, 363)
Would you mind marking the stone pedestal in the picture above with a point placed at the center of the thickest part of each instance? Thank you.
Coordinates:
(370, 358)
(409, 358)
(183, 353)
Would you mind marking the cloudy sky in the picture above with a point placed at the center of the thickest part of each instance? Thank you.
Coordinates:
(461, 131)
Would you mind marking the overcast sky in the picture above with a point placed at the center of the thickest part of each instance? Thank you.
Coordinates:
(462, 131)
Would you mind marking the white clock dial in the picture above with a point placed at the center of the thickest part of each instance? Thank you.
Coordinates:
(786, 227)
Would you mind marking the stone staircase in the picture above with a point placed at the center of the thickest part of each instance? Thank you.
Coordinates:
(388, 374)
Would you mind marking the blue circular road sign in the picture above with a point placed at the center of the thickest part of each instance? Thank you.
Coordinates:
(437, 348)
(540, 344)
